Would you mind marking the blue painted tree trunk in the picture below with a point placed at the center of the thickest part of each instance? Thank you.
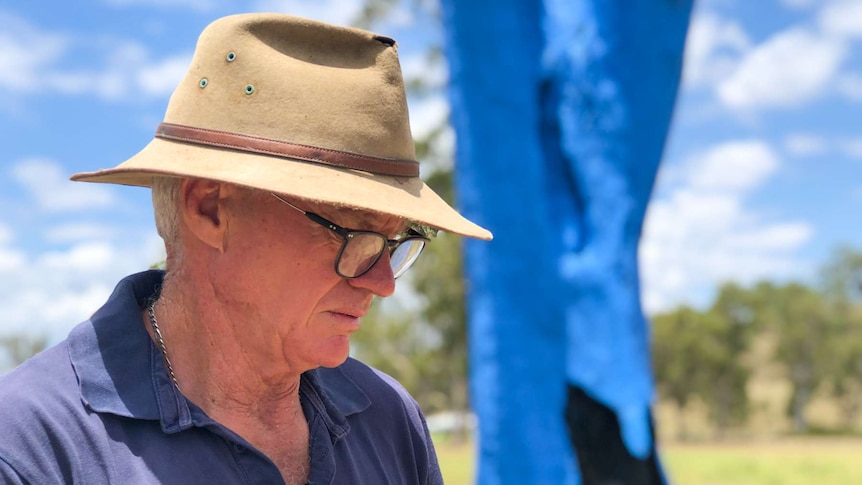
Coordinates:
(561, 110)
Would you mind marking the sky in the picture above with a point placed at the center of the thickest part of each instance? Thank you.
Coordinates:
(761, 178)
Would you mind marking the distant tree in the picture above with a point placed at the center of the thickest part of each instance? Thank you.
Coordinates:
(20, 347)
(703, 354)
(806, 328)
(678, 349)
(841, 277)
(730, 328)
(841, 284)
(846, 373)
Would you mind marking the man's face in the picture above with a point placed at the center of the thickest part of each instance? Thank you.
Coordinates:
(277, 278)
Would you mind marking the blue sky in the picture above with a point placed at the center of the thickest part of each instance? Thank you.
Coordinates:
(761, 177)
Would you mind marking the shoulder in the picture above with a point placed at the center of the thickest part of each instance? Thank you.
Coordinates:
(38, 384)
(40, 407)
(373, 399)
(388, 422)
(380, 387)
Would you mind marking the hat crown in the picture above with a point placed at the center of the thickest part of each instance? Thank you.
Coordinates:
(294, 106)
(299, 81)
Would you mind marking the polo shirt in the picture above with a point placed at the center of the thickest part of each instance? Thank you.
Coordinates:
(100, 408)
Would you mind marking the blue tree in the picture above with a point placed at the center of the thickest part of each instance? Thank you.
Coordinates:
(561, 110)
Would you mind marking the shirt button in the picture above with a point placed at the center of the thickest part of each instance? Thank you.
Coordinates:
(239, 448)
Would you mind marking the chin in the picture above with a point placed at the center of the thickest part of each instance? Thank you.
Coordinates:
(335, 353)
(334, 362)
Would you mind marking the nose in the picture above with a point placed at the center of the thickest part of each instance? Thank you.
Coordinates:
(379, 279)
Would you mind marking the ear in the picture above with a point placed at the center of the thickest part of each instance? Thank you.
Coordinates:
(203, 211)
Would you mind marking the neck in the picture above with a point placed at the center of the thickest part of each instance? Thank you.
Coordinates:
(200, 342)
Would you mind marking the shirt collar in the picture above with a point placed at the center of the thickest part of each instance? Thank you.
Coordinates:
(335, 396)
(120, 371)
(112, 352)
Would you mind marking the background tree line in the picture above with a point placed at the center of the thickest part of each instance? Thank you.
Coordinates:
(814, 334)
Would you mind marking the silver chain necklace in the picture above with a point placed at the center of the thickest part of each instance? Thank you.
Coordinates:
(161, 341)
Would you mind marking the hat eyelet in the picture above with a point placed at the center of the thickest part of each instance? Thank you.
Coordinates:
(249, 89)
(203, 83)
(231, 56)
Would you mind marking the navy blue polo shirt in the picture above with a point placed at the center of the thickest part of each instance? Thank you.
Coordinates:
(99, 408)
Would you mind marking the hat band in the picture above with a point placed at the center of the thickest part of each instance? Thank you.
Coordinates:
(268, 146)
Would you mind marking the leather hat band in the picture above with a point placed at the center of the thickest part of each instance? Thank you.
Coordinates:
(268, 146)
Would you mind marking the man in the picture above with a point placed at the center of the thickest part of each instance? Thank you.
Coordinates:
(285, 188)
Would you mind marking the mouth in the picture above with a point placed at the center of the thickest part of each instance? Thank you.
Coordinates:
(352, 313)
(348, 317)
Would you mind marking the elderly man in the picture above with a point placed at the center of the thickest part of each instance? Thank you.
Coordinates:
(286, 190)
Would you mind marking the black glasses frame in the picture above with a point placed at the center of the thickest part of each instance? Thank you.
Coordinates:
(348, 234)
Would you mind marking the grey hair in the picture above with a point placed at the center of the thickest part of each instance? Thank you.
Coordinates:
(166, 197)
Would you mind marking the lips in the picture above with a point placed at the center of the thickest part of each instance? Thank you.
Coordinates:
(351, 313)
(347, 320)
(357, 310)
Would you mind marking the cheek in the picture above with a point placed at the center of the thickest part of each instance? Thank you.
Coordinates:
(281, 269)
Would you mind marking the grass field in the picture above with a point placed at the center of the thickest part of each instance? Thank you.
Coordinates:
(796, 461)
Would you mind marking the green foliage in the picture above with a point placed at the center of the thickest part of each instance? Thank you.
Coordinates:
(841, 279)
(806, 329)
(18, 348)
(817, 334)
(677, 344)
(697, 354)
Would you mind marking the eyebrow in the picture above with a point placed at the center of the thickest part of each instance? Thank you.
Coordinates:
(364, 220)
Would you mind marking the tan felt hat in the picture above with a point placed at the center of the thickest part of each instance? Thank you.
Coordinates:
(297, 107)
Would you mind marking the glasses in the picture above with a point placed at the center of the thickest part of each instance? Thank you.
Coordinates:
(361, 250)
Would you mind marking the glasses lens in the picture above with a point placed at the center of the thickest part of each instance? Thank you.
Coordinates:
(361, 250)
(405, 254)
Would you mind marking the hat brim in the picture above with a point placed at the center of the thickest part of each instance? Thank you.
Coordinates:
(406, 197)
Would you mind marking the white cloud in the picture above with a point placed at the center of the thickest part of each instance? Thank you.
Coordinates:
(10, 260)
(851, 147)
(52, 190)
(799, 4)
(162, 78)
(789, 69)
(83, 258)
(775, 237)
(32, 61)
(805, 145)
(842, 19)
(72, 232)
(340, 12)
(128, 74)
(428, 114)
(345, 12)
(5, 234)
(733, 166)
(199, 5)
(47, 294)
(433, 74)
(713, 48)
(699, 233)
(26, 53)
(850, 86)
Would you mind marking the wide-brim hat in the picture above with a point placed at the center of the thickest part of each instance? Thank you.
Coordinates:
(297, 107)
